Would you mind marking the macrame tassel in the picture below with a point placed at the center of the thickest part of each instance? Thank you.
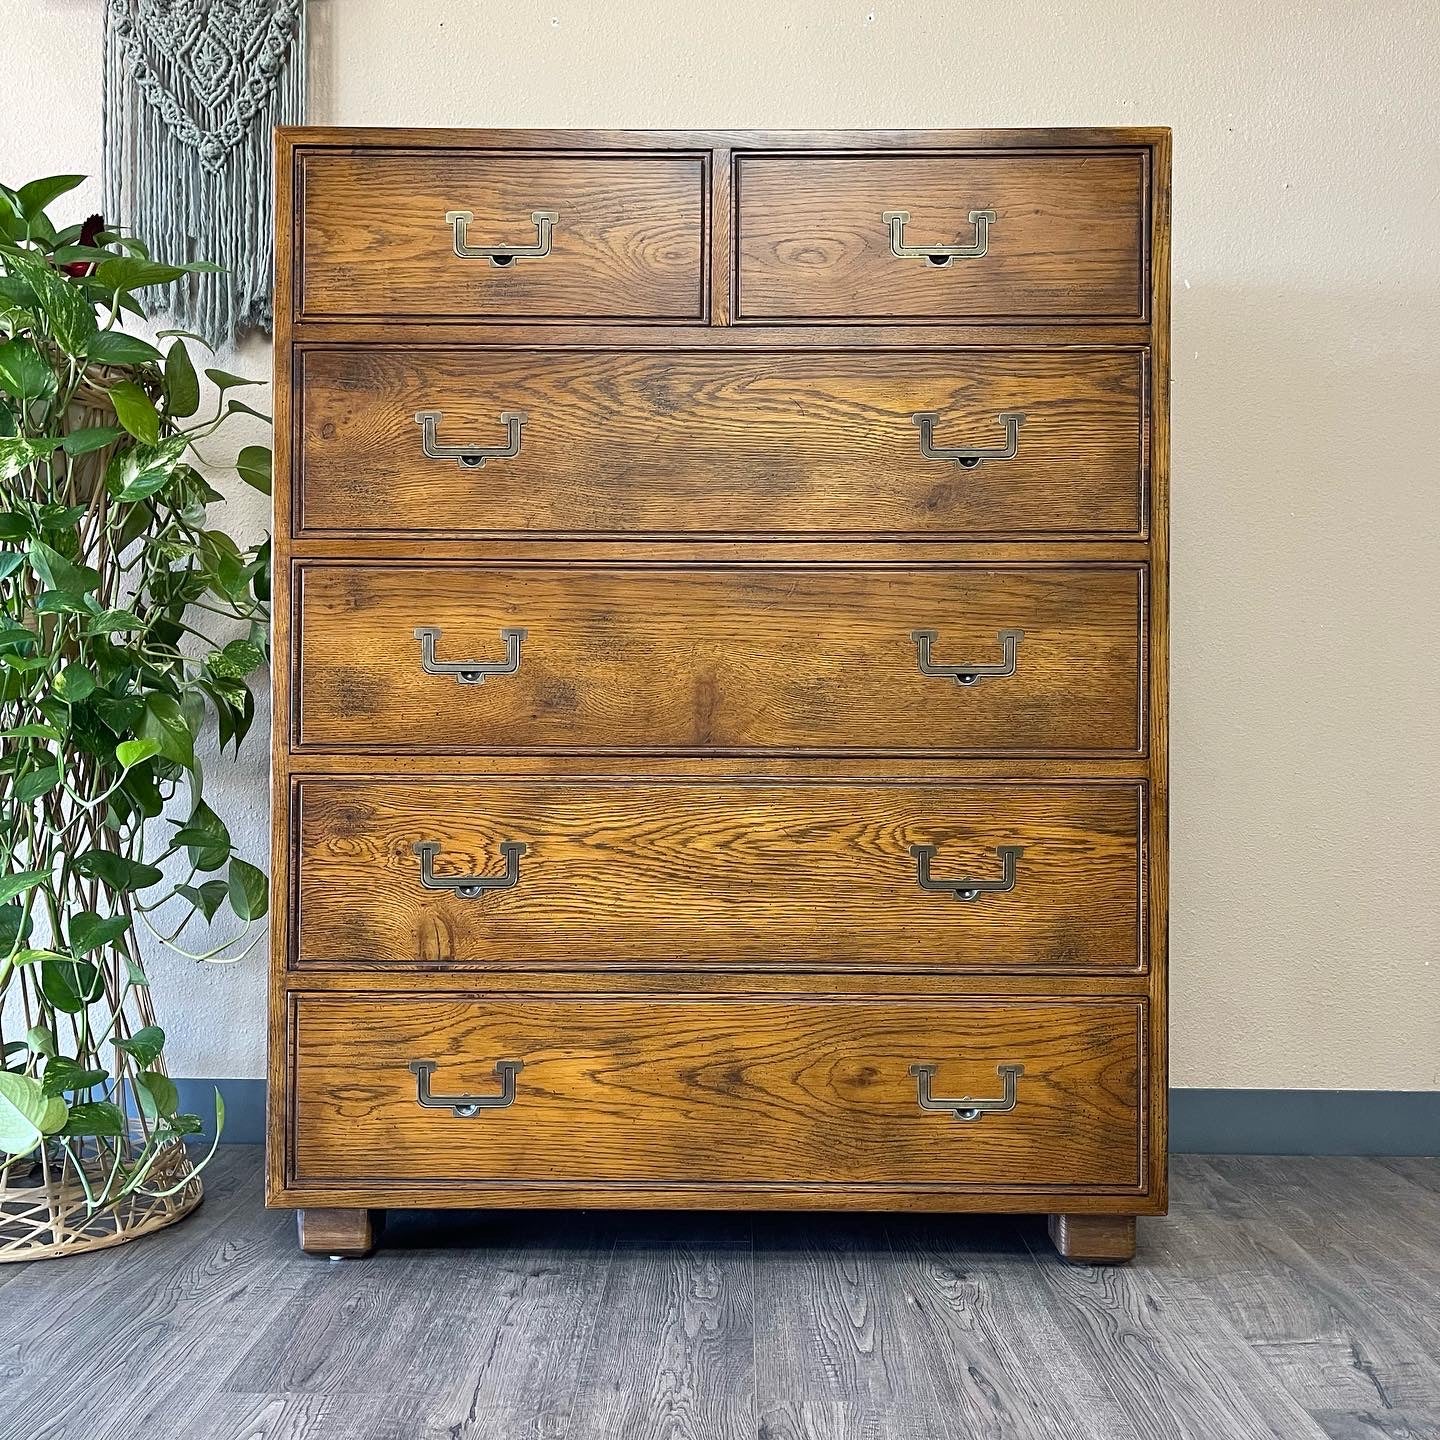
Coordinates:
(193, 89)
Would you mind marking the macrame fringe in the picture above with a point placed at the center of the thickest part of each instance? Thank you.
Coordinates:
(192, 193)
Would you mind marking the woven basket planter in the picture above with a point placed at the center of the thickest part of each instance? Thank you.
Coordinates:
(43, 1212)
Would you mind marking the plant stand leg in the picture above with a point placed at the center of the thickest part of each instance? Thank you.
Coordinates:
(1094, 1239)
(339, 1233)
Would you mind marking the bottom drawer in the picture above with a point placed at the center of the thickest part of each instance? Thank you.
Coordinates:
(544, 1091)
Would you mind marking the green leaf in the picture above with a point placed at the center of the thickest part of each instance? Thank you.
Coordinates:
(119, 872)
(10, 562)
(236, 660)
(205, 837)
(59, 602)
(17, 454)
(249, 890)
(165, 724)
(37, 957)
(223, 380)
(143, 469)
(125, 273)
(135, 411)
(64, 304)
(40, 1039)
(24, 372)
(58, 573)
(114, 622)
(32, 732)
(144, 1046)
(182, 385)
(115, 347)
(74, 683)
(93, 437)
(206, 898)
(38, 194)
(100, 1118)
(134, 752)
(20, 882)
(64, 1075)
(23, 1112)
(70, 985)
(89, 931)
(35, 784)
(239, 407)
(14, 526)
(253, 465)
(157, 1094)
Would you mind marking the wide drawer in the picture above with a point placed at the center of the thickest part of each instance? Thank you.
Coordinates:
(1042, 660)
(608, 236)
(929, 443)
(514, 872)
(1020, 236)
(748, 1092)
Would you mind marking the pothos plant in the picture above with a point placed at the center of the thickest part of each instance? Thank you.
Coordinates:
(113, 583)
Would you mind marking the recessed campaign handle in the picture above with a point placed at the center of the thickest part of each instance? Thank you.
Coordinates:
(966, 1108)
(469, 887)
(463, 1107)
(544, 222)
(939, 255)
(967, 889)
(968, 456)
(468, 672)
(472, 457)
(968, 674)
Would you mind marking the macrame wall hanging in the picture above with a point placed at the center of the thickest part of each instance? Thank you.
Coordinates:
(192, 91)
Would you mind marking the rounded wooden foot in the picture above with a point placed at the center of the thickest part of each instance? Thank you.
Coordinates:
(1094, 1239)
(340, 1234)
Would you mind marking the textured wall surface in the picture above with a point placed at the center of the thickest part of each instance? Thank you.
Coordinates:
(1306, 578)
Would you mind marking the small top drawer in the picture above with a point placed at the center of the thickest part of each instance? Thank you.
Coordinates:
(934, 238)
(496, 235)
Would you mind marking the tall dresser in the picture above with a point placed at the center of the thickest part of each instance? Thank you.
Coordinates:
(720, 684)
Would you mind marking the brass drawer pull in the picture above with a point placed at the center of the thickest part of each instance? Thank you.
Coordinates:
(967, 889)
(473, 457)
(966, 674)
(468, 672)
(544, 222)
(469, 887)
(968, 456)
(966, 1108)
(938, 255)
(465, 1106)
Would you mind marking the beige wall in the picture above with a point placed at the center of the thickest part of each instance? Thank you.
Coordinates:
(1306, 583)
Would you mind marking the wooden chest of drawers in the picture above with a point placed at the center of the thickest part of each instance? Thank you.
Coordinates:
(720, 688)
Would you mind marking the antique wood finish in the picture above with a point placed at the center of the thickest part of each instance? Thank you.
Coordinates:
(344, 1233)
(719, 533)
(1067, 239)
(723, 658)
(688, 443)
(739, 1092)
(741, 873)
(629, 240)
(1094, 1239)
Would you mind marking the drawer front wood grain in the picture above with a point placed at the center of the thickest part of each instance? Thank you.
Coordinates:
(735, 1091)
(688, 443)
(628, 241)
(702, 873)
(723, 658)
(1066, 242)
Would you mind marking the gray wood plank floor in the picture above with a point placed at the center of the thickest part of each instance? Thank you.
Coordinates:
(1296, 1299)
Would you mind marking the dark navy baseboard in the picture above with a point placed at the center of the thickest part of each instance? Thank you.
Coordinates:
(1203, 1122)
